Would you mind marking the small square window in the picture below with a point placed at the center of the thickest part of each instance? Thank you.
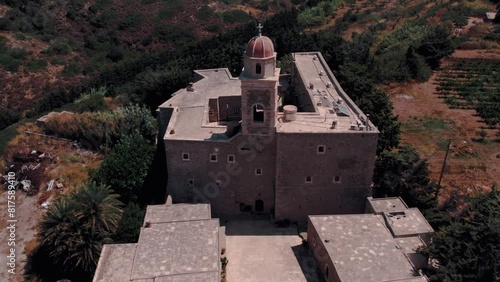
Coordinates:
(230, 159)
(321, 149)
(336, 179)
(213, 158)
(309, 179)
(185, 156)
(258, 171)
(191, 182)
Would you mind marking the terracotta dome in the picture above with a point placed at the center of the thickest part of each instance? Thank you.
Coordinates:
(260, 47)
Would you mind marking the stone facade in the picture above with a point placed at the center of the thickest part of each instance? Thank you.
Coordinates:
(252, 158)
(339, 176)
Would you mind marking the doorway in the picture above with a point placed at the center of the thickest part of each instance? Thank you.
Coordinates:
(259, 205)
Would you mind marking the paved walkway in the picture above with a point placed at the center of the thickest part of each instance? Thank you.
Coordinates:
(260, 252)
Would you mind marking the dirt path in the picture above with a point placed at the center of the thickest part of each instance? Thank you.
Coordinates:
(27, 214)
(428, 124)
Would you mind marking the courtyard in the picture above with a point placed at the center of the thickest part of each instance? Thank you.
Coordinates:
(258, 251)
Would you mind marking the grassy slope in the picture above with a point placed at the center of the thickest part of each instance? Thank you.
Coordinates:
(96, 34)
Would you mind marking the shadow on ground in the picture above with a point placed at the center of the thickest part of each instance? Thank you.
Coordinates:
(307, 263)
(258, 250)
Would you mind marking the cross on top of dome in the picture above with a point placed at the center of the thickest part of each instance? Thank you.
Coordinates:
(260, 46)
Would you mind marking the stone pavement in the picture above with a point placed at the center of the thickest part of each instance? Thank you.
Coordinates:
(260, 252)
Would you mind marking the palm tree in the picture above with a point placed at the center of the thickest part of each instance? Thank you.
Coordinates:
(98, 207)
(77, 225)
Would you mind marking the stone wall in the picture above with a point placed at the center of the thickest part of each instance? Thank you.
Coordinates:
(224, 184)
(340, 178)
(320, 254)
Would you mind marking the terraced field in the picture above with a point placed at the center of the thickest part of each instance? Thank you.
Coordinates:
(472, 84)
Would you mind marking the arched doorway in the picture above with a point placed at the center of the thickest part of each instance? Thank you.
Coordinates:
(259, 205)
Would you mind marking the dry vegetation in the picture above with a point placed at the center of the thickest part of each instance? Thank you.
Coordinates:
(100, 33)
(428, 125)
(63, 161)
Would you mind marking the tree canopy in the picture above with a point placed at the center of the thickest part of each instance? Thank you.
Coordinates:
(126, 166)
(403, 173)
(469, 249)
(77, 225)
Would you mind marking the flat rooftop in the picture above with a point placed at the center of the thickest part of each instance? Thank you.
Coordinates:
(381, 205)
(115, 262)
(408, 222)
(177, 248)
(178, 212)
(180, 244)
(362, 248)
(190, 118)
(330, 102)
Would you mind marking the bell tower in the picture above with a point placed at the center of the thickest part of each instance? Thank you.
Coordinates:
(259, 87)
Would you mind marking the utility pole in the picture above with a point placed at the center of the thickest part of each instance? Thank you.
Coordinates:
(444, 165)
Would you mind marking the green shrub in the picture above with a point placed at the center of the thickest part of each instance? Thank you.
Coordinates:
(173, 33)
(58, 48)
(115, 53)
(126, 166)
(230, 1)
(392, 66)
(37, 65)
(88, 69)
(4, 23)
(131, 21)
(70, 70)
(56, 61)
(458, 14)
(3, 46)
(404, 36)
(8, 117)
(99, 130)
(205, 13)
(9, 63)
(147, 40)
(92, 101)
(104, 19)
(130, 225)
(77, 4)
(166, 14)
(311, 17)
(170, 9)
(19, 36)
(212, 28)
(235, 16)
(18, 53)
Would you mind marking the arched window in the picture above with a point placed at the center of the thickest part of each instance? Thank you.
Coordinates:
(258, 69)
(258, 113)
